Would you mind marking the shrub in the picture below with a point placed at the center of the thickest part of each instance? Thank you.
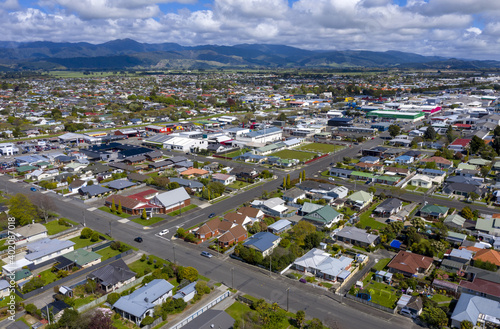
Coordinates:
(63, 222)
(113, 298)
(115, 245)
(181, 233)
(116, 316)
(94, 237)
(147, 320)
(31, 309)
(143, 257)
(86, 233)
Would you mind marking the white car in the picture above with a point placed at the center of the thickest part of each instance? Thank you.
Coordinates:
(165, 231)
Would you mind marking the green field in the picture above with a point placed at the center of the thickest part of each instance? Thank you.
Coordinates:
(291, 154)
(107, 253)
(238, 184)
(381, 264)
(80, 243)
(53, 227)
(320, 148)
(365, 219)
(381, 293)
(183, 210)
(234, 153)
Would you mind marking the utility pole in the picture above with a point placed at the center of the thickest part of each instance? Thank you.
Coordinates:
(173, 245)
(232, 277)
(83, 213)
(48, 314)
(110, 227)
(270, 258)
(287, 292)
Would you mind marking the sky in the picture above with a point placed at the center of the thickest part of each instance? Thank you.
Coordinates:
(451, 28)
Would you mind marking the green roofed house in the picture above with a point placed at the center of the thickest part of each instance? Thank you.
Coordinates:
(360, 175)
(397, 115)
(464, 166)
(360, 199)
(309, 207)
(433, 211)
(25, 169)
(479, 162)
(454, 221)
(325, 216)
(80, 257)
(22, 275)
(387, 180)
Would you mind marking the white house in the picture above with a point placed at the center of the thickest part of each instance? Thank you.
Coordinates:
(8, 149)
(421, 181)
(30, 233)
(225, 179)
(184, 144)
(45, 249)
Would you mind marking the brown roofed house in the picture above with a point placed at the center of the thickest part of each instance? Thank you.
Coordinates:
(488, 255)
(234, 235)
(236, 218)
(440, 162)
(251, 212)
(208, 230)
(409, 264)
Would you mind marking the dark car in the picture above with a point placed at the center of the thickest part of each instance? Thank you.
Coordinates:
(303, 280)
(138, 239)
(211, 215)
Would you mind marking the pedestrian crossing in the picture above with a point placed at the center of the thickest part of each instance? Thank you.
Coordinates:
(92, 209)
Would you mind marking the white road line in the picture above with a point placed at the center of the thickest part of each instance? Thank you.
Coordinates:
(124, 220)
(44, 192)
(66, 199)
(161, 237)
(92, 209)
(13, 180)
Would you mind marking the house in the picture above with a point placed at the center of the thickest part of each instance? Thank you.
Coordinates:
(454, 221)
(463, 256)
(186, 293)
(57, 308)
(172, 200)
(360, 199)
(388, 207)
(194, 172)
(387, 180)
(120, 184)
(322, 264)
(253, 213)
(280, 226)
(273, 206)
(93, 191)
(211, 319)
(409, 264)
(234, 235)
(4, 288)
(357, 236)
(325, 216)
(338, 192)
(393, 171)
(439, 161)
(225, 179)
(370, 159)
(475, 309)
(46, 249)
(80, 257)
(421, 181)
(263, 242)
(413, 306)
(339, 172)
(433, 211)
(30, 233)
(112, 276)
(488, 255)
(459, 144)
(141, 303)
(437, 176)
(208, 230)
(462, 189)
(237, 218)
(482, 283)
(293, 194)
(404, 159)
(133, 204)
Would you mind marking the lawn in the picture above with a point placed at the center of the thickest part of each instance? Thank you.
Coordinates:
(237, 310)
(381, 264)
(238, 184)
(177, 212)
(80, 243)
(411, 187)
(53, 227)
(138, 266)
(82, 301)
(147, 222)
(235, 153)
(107, 253)
(365, 219)
(382, 294)
(6, 299)
(320, 148)
(106, 209)
(291, 154)
(441, 299)
(48, 276)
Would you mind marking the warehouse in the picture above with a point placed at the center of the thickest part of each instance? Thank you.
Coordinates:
(397, 115)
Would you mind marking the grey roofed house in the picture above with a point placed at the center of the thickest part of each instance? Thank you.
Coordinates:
(309, 207)
(262, 241)
(340, 172)
(176, 159)
(211, 319)
(463, 179)
(133, 176)
(339, 192)
(462, 189)
(186, 164)
(122, 166)
(171, 198)
(389, 207)
(279, 226)
(454, 220)
(471, 307)
(352, 234)
(192, 184)
(161, 164)
(311, 185)
(44, 247)
(143, 299)
(186, 293)
(112, 274)
(32, 230)
(292, 194)
(120, 184)
(154, 155)
(93, 190)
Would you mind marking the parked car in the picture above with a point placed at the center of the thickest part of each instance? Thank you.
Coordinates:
(207, 254)
(33, 189)
(303, 280)
(163, 232)
(138, 239)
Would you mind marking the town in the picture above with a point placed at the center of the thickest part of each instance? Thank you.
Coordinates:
(261, 199)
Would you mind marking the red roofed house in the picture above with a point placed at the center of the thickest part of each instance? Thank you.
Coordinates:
(136, 203)
(234, 235)
(439, 161)
(488, 255)
(409, 264)
(459, 144)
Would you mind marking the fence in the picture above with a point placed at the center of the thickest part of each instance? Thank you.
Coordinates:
(102, 299)
(70, 277)
(201, 310)
(102, 246)
(380, 307)
(244, 300)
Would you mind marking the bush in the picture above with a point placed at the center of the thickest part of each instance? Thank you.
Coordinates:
(147, 320)
(94, 237)
(190, 237)
(181, 233)
(115, 245)
(116, 316)
(113, 298)
(63, 222)
(86, 233)
(143, 257)
(31, 309)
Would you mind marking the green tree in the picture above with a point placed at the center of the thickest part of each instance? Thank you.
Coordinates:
(70, 319)
(496, 132)
(417, 223)
(112, 298)
(467, 213)
(113, 206)
(476, 144)
(144, 214)
(394, 130)
(312, 240)
(189, 273)
(284, 182)
(467, 324)
(372, 190)
(119, 210)
(315, 324)
(281, 117)
(86, 233)
(430, 134)
(473, 196)
(300, 317)
(94, 237)
(434, 316)
(288, 183)
(21, 208)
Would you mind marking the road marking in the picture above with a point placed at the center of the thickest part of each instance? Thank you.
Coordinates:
(92, 209)
(161, 237)
(66, 199)
(44, 192)
(13, 180)
(124, 220)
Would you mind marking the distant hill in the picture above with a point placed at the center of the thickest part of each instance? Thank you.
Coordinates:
(130, 54)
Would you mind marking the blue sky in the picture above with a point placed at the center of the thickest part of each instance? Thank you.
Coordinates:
(453, 28)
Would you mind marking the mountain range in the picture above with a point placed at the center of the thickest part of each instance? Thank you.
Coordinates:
(129, 54)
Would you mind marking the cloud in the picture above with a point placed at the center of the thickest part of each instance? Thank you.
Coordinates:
(433, 27)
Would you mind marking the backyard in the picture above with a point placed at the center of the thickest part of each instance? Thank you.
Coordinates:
(381, 264)
(238, 184)
(365, 219)
(291, 154)
(381, 293)
(53, 227)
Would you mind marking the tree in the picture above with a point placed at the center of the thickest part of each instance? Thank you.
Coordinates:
(418, 223)
(430, 134)
(119, 210)
(112, 298)
(300, 317)
(496, 144)
(372, 190)
(86, 233)
(69, 319)
(473, 196)
(467, 213)
(144, 214)
(315, 324)
(303, 175)
(284, 182)
(394, 130)
(288, 184)
(434, 316)
(113, 206)
(45, 206)
(31, 309)
(94, 237)
(467, 324)
(100, 320)
(21, 208)
(496, 132)
(312, 240)
(147, 320)
(476, 144)
(281, 117)
(189, 273)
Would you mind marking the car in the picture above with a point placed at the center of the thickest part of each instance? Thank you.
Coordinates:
(211, 215)
(303, 280)
(207, 254)
(33, 189)
(138, 239)
(163, 232)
